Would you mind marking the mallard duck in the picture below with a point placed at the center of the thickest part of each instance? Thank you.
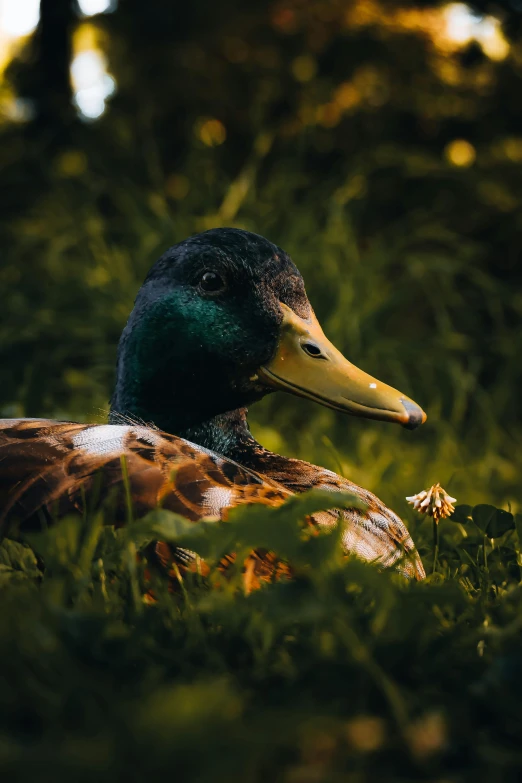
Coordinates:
(221, 320)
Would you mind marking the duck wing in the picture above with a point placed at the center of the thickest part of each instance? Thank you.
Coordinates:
(376, 534)
(48, 466)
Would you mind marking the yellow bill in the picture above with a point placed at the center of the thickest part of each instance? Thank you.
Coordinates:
(307, 364)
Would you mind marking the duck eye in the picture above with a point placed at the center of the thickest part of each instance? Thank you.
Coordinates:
(211, 283)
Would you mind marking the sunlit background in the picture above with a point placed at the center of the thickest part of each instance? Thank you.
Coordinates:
(91, 82)
(451, 26)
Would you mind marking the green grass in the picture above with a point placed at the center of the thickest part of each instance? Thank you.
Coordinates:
(343, 674)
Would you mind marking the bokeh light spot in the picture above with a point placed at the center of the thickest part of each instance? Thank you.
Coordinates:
(460, 152)
(19, 17)
(463, 25)
(304, 68)
(92, 7)
(461, 22)
(347, 96)
(91, 81)
(328, 115)
(366, 733)
(177, 186)
(211, 131)
(285, 20)
(513, 149)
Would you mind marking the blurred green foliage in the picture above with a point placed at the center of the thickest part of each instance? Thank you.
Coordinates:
(343, 674)
(329, 127)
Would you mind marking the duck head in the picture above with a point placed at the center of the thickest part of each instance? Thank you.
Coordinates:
(222, 320)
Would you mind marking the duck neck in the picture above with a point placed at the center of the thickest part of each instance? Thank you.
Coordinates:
(227, 434)
(224, 433)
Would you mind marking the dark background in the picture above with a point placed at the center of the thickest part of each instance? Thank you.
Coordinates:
(382, 153)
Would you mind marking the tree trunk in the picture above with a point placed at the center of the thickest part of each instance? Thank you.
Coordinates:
(42, 75)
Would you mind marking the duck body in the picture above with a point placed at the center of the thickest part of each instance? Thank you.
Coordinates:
(221, 320)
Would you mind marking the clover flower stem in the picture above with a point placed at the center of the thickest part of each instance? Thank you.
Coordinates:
(435, 544)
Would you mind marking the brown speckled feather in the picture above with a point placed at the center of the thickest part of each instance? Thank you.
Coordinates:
(48, 465)
(376, 534)
(43, 462)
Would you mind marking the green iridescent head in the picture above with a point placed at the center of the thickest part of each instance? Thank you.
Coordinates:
(223, 319)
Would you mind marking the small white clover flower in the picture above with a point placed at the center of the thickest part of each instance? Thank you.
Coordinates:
(434, 501)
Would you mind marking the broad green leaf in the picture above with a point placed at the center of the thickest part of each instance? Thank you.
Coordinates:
(18, 557)
(11, 576)
(482, 515)
(18, 564)
(500, 523)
